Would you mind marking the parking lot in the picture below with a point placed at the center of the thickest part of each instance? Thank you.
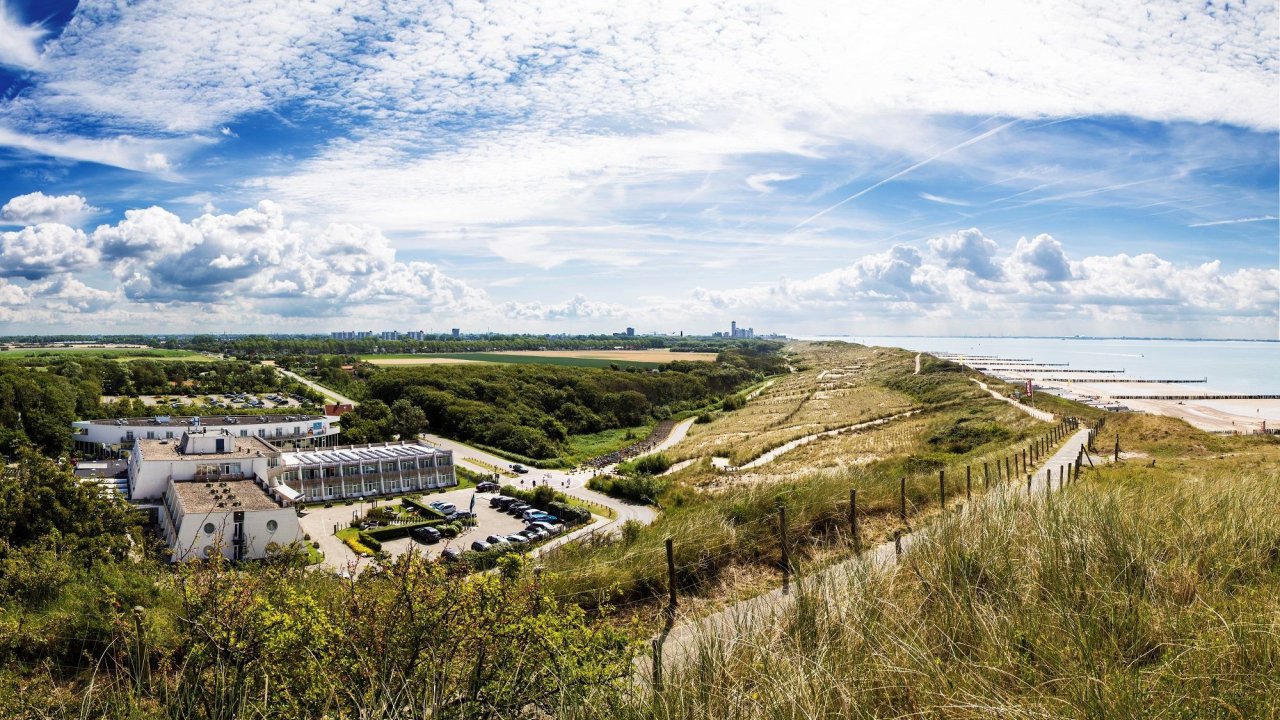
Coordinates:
(319, 522)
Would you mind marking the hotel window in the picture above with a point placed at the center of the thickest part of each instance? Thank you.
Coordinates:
(244, 433)
(129, 435)
(168, 434)
(151, 435)
(262, 432)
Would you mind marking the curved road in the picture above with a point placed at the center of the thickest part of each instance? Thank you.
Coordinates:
(315, 386)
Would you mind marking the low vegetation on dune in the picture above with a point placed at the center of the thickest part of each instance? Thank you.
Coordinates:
(1138, 592)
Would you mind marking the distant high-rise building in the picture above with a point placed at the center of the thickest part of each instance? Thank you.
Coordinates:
(457, 333)
(631, 332)
(733, 329)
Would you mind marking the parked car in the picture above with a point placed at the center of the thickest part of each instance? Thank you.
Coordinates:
(549, 528)
(501, 501)
(451, 554)
(487, 487)
(461, 515)
(517, 508)
(534, 514)
(517, 539)
(368, 525)
(446, 508)
(495, 539)
(425, 534)
(480, 546)
(534, 534)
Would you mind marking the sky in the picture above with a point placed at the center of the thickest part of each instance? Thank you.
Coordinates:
(1028, 167)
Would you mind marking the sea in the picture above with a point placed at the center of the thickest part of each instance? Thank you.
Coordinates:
(1229, 366)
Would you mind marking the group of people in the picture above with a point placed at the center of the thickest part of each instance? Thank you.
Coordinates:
(654, 439)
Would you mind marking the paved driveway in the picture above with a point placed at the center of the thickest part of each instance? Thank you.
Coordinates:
(319, 524)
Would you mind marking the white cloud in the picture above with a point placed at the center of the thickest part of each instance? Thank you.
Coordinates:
(37, 251)
(37, 207)
(902, 287)
(12, 295)
(123, 151)
(19, 42)
(943, 200)
(1235, 221)
(66, 294)
(763, 182)
(1040, 259)
(968, 250)
(579, 308)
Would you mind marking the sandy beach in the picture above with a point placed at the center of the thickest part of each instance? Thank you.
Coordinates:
(1241, 416)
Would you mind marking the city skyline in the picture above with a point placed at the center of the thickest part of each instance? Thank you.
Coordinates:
(1030, 168)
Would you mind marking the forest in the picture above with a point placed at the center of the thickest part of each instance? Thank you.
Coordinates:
(532, 410)
(40, 397)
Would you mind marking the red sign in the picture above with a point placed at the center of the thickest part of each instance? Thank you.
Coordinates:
(1031, 393)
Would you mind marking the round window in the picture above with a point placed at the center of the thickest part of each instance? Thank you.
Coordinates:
(272, 525)
(209, 528)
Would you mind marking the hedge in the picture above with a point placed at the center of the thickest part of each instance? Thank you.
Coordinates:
(426, 510)
(393, 532)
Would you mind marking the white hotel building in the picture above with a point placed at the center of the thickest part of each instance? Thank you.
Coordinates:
(295, 431)
(223, 492)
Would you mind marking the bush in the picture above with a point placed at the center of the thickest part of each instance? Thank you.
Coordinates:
(654, 464)
(704, 418)
(370, 542)
(641, 488)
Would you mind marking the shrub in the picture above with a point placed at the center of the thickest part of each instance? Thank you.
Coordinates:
(640, 488)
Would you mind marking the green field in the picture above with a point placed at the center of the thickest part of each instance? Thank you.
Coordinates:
(105, 353)
(521, 359)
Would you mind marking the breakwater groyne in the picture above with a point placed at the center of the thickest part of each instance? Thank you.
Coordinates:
(1195, 397)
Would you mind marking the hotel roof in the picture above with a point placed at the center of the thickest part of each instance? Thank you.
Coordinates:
(250, 446)
(208, 420)
(354, 454)
(201, 497)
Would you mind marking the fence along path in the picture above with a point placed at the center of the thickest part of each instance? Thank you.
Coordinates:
(682, 643)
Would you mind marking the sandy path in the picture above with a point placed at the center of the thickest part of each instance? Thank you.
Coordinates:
(771, 455)
(1037, 414)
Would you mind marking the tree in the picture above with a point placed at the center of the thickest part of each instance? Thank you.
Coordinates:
(407, 420)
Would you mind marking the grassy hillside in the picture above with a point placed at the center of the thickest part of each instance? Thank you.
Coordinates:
(1143, 591)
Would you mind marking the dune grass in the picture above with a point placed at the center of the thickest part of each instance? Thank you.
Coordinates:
(1140, 592)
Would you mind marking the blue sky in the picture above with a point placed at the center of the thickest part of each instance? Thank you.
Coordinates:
(1004, 168)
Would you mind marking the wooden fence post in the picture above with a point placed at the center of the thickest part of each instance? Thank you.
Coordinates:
(986, 477)
(853, 520)
(897, 543)
(1048, 480)
(1117, 458)
(942, 490)
(902, 500)
(1028, 484)
(968, 483)
(657, 665)
(786, 555)
(671, 579)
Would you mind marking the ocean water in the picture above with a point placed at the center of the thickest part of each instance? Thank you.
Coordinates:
(1229, 366)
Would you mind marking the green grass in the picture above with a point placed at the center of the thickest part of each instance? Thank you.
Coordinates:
(585, 447)
(525, 360)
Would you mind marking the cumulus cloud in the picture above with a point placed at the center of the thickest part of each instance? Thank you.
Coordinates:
(1037, 283)
(254, 260)
(579, 308)
(11, 295)
(37, 251)
(257, 254)
(66, 293)
(968, 250)
(1040, 259)
(37, 207)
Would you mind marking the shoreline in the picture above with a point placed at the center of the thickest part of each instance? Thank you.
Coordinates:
(1242, 416)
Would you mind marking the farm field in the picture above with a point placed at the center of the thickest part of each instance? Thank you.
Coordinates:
(586, 358)
(106, 353)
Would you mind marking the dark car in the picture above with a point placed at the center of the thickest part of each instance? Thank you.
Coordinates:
(520, 469)
(451, 554)
(501, 501)
(517, 508)
(425, 534)
(487, 487)
(460, 516)
(479, 546)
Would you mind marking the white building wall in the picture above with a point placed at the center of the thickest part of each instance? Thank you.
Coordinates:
(109, 434)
